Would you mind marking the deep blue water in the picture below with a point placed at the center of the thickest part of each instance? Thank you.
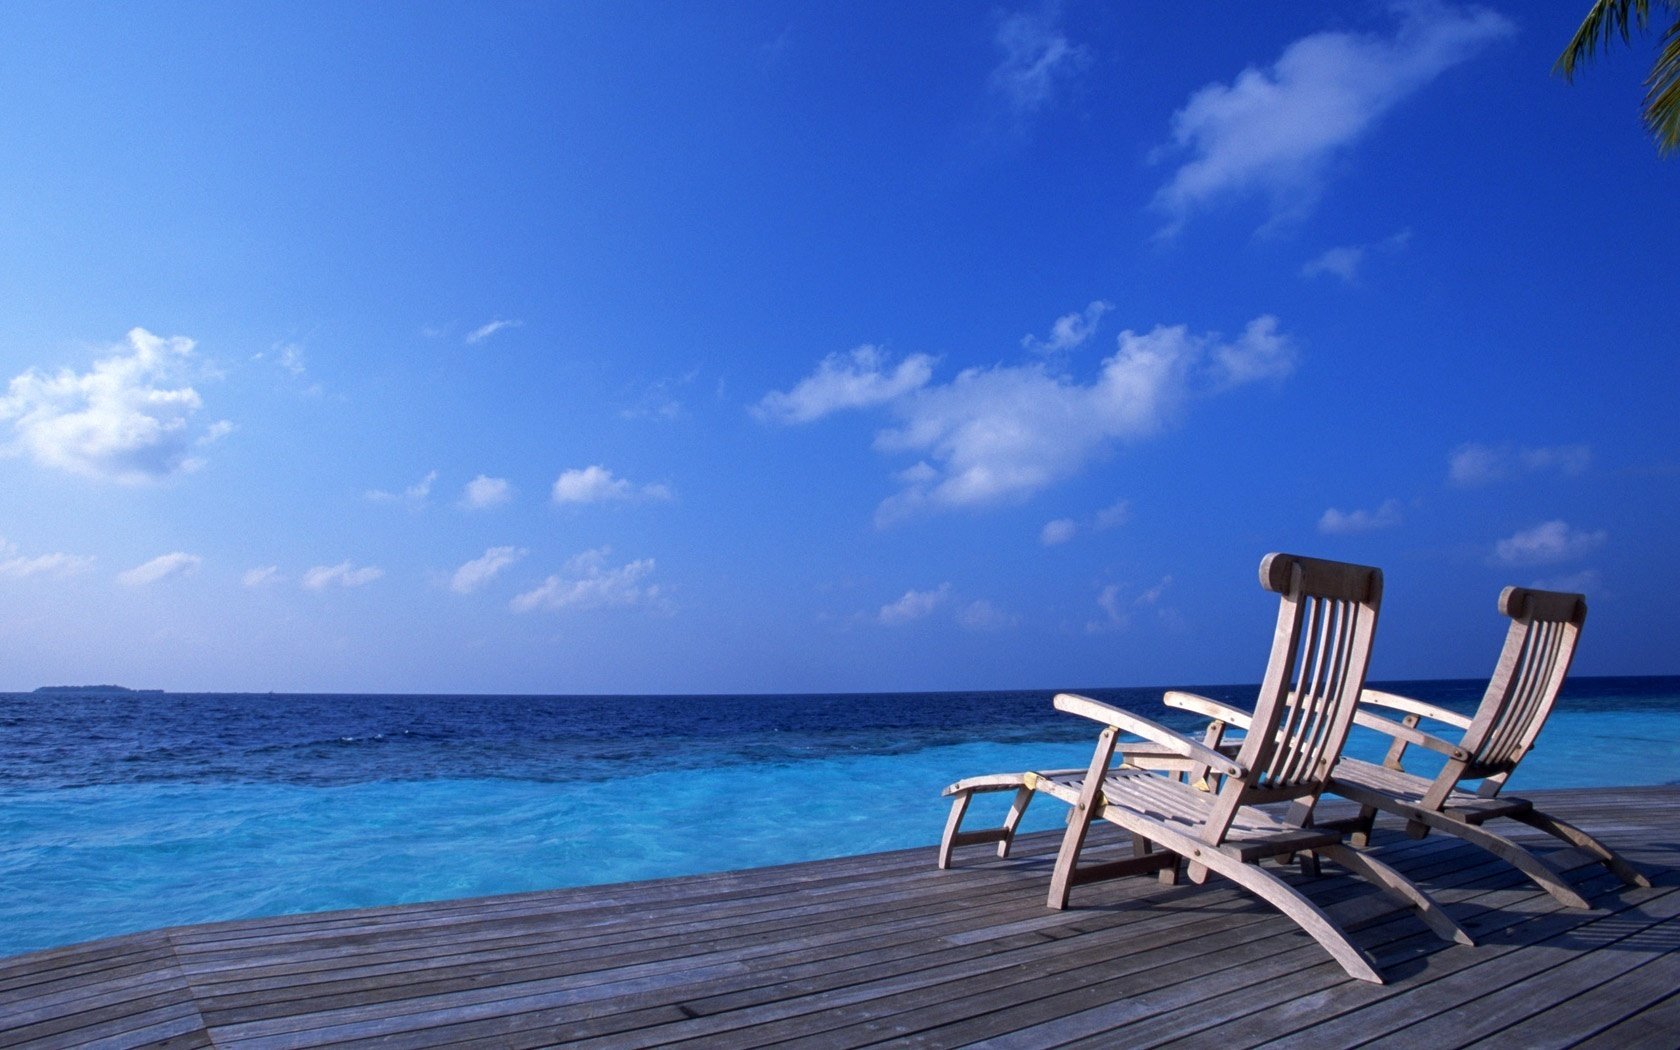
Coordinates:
(130, 811)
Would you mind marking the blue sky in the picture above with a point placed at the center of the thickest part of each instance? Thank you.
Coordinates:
(616, 347)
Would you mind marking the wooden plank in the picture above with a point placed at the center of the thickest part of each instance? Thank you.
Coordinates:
(844, 952)
(1655, 1025)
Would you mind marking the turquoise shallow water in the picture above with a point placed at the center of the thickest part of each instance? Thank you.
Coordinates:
(85, 852)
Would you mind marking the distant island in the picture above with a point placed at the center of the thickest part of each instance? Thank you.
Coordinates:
(92, 689)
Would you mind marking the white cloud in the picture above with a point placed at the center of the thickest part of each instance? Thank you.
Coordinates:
(120, 421)
(483, 492)
(485, 331)
(1587, 581)
(1153, 595)
(1004, 433)
(481, 570)
(1345, 262)
(589, 583)
(1069, 331)
(913, 606)
(855, 380)
(1059, 531)
(982, 615)
(17, 566)
(1062, 530)
(1037, 58)
(1472, 464)
(290, 357)
(161, 567)
(1112, 516)
(660, 400)
(596, 484)
(262, 576)
(1117, 611)
(1347, 523)
(1116, 616)
(1547, 543)
(416, 493)
(1275, 131)
(343, 574)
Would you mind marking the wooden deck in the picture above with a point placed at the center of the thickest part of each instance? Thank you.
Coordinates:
(886, 949)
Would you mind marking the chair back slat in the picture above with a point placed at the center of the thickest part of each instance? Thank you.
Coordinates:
(1320, 651)
(1539, 647)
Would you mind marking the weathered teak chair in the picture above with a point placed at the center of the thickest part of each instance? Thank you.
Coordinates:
(1545, 626)
(1321, 647)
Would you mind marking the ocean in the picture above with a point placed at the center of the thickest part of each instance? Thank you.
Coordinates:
(129, 811)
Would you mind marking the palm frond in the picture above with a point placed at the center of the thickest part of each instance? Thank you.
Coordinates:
(1662, 99)
(1606, 19)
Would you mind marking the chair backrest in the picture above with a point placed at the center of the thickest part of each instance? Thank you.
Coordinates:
(1327, 617)
(1545, 627)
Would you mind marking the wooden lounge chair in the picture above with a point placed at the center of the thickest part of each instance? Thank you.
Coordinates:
(1545, 627)
(1326, 618)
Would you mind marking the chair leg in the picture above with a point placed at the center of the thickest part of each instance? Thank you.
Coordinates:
(1398, 887)
(1575, 836)
(953, 824)
(1360, 834)
(1067, 860)
(1017, 810)
(1307, 915)
(1543, 874)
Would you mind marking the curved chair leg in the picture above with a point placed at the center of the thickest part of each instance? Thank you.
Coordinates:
(1543, 874)
(1307, 915)
(1017, 810)
(953, 824)
(1400, 888)
(1575, 836)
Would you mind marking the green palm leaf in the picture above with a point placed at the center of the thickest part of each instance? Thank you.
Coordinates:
(1612, 18)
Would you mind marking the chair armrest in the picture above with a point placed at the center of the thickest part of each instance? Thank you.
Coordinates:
(1413, 707)
(1409, 735)
(1137, 725)
(1213, 709)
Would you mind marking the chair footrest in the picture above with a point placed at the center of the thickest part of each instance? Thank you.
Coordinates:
(1116, 868)
(969, 838)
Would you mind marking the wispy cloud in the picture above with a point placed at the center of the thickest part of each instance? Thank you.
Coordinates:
(1117, 609)
(1472, 465)
(589, 582)
(1273, 132)
(161, 567)
(596, 484)
(1058, 532)
(859, 379)
(123, 420)
(1345, 262)
(1037, 59)
(15, 565)
(661, 400)
(1335, 522)
(1587, 581)
(912, 606)
(481, 570)
(344, 574)
(1061, 530)
(484, 492)
(414, 494)
(262, 576)
(1069, 330)
(1546, 544)
(982, 615)
(485, 331)
(1003, 433)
